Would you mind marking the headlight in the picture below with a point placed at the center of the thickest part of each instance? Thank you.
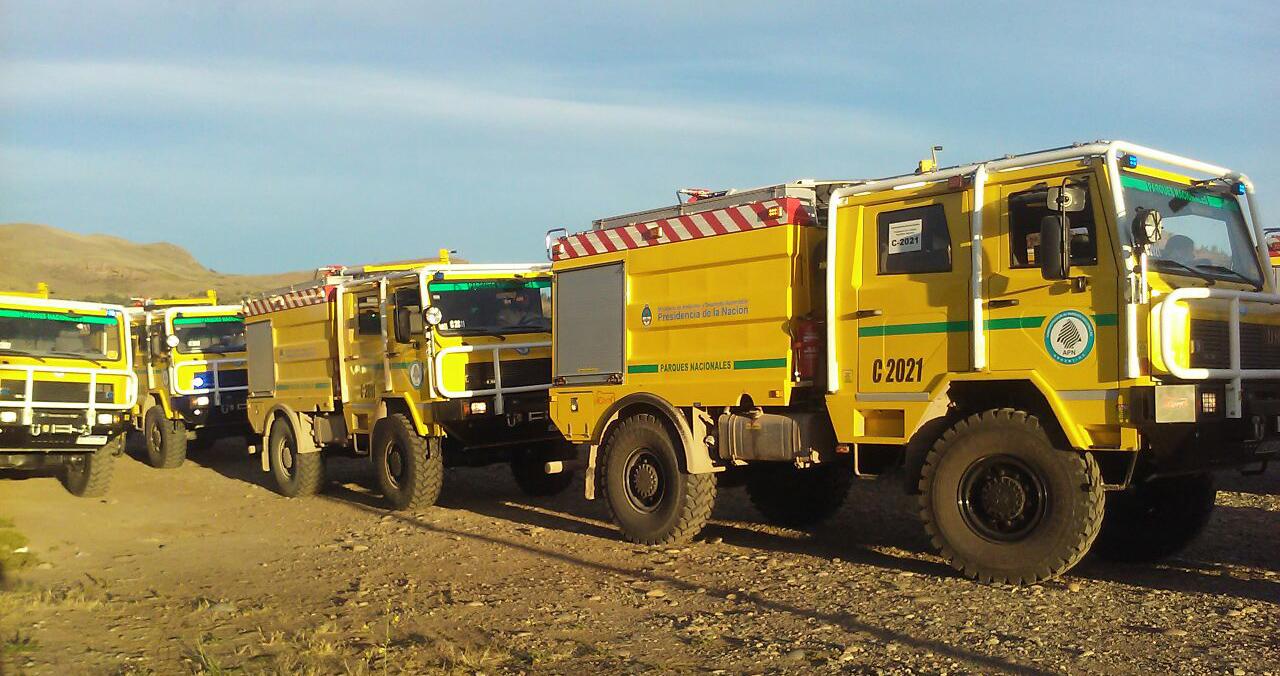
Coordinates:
(8, 416)
(106, 419)
(202, 401)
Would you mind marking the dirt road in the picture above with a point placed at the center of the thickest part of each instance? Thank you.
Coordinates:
(205, 569)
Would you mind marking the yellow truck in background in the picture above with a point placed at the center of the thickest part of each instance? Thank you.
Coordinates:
(189, 356)
(414, 366)
(1033, 339)
(66, 388)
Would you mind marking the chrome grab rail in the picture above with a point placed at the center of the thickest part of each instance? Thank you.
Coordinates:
(437, 373)
(1233, 374)
(216, 387)
(91, 407)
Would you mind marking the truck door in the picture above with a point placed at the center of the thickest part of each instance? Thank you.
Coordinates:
(365, 351)
(912, 317)
(1052, 327)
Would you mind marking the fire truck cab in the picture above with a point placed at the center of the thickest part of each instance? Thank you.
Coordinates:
(66, 387)
(414, 366)
(189, 355)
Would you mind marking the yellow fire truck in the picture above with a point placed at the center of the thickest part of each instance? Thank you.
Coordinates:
(1022, 335)
(66, 386)
(413, 366)
(189, 356)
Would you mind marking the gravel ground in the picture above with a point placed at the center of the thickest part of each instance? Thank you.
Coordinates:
(204, 569)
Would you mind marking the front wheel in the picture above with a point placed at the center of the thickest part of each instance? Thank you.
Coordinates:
(296, 474)
(166, 439)
(409, 467)
(650, 498)
(1156, 518)
(1002, 504)
(89, 475)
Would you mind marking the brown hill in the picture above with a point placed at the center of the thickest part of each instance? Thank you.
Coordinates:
(102, 267)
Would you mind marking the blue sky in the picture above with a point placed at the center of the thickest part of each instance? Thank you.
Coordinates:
(279, 135)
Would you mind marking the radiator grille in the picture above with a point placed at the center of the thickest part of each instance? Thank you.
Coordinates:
(515, 373)
(1210, 347)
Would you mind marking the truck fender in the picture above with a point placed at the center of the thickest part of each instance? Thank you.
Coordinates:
(301, 425)
(697, 457)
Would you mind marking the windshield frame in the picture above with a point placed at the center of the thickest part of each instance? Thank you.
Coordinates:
(179, 318)
(109, 319)
(1238, 230)
(536, 284)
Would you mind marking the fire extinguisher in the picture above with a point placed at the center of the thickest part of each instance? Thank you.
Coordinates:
(806, 345)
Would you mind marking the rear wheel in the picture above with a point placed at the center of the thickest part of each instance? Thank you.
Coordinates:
(89, 475)
(795, 498)
(1156, 518)
(296, 474)
(1003, 505)
(650, 498)
(528, 468)
(166, 439)
(409, 467)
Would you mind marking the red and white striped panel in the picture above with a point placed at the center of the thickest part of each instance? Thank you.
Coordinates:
(288, 300)
(740, 218)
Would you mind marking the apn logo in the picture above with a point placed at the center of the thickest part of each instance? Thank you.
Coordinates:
(646, 316)
(1069, 337)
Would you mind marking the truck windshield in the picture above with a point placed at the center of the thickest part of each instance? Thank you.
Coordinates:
(209, 335)
(53, 333)
(493, 307)
(1205, 234)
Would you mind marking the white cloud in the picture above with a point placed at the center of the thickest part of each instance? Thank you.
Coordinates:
(152, 89)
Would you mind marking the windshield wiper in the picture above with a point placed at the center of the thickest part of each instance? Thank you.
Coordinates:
(76, 355)
(481, 332)
(20, 353)
(1229, 271)
(1194, 272)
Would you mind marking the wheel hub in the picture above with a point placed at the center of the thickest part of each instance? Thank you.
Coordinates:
(644, 482)
(1002, 498)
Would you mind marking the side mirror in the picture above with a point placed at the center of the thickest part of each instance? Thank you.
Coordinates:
(171, 341)
(1146, 227)
(407, 325)
(1055, 261)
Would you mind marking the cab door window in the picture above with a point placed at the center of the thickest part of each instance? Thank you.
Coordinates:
(1029, 208)
(913, 241)
(368, 316)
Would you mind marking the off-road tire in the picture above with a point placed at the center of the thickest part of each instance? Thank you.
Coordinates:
(528, 468)
(1156, 518)
(1003, 451)
(90, 476)
(797, 498)
(409, 467)
(681, 503)
(296, 474)
(166, 439)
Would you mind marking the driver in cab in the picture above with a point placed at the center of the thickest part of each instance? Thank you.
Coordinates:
(518, 310)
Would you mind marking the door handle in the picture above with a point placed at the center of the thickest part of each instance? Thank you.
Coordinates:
(865, 314)
(1002, 302)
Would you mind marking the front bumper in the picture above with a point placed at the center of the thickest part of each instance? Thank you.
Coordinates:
(199, 410)
(1203, 437)
(54, 436)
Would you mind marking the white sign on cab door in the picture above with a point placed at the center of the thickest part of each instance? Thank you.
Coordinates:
(904, 236)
